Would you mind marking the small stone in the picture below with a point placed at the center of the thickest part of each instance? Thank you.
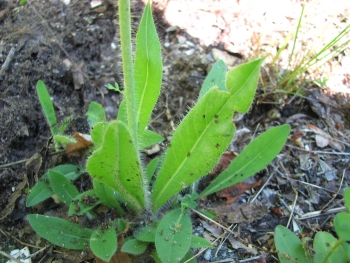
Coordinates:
(207, 255)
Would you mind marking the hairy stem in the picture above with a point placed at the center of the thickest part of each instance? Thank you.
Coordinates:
(129, 87)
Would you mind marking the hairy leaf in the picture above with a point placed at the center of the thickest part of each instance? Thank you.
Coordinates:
(106, 194)
(116, 164)
(146, 234)
(215, 78)
(60, 232)
(134, 246)
(103, 242)
(289, 247)
(95, 113)
(259, 153)
(342, 225)
(323, 244)
(64, 189)
(242, 81)
(173, 236)
(147, 69)
(47, 106)
(203, 134)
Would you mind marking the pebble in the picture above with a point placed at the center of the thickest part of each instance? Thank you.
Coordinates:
(207, 255)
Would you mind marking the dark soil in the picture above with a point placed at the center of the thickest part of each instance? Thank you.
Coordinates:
(44, 34)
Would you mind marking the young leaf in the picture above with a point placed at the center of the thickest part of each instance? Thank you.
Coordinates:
(242, 82)
(134, 246)
(342, 225)
(106, 195)
(98, 134)
(83, 203)
(215, 78)
(65, 124)
(63, 140)
(42, 190)
(116, 164)
(65, 190)
(146, 234)
(173, 236)
(60, 232)
(47, 106)
(251, 160)
(289, 247)
(199, 242)
(151, 168)
(95, 113)
(147, 68)
(206, 131)
(103, 242)
(323, 244)
(149, 138)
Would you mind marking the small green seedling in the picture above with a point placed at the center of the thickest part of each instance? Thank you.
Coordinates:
(326, 248)
(119, 174)
(49, 112)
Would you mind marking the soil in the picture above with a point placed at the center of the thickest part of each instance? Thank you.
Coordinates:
(44, 35)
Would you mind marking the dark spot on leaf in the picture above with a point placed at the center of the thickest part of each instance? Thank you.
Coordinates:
(216, 116)
(188, 154)
(217, 145)
(130, 141)
(216, 121)
(203, 115)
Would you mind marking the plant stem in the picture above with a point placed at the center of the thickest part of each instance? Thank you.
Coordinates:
(333, 249)
(128, 68)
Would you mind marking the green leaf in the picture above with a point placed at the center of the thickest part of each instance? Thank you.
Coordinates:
(342, 225)
(206, 131)
(103, 242)
(242, 82)
(83, 203)
(106, 195)
(65, 124)
(47, 106)
(174, 236)
(323, 244)
(346, 248)
(215, 78)
(134, 246)
(98, 134)
(199, 242)
(151, 168)
(146, 234)
(289, 247)
(149, 138)
(116, 164)
(147, 69)
(123, 226)
(60, 232)
(65, 190)
(42, 190)
(115, 87)
(95, 113)
(63, 140)
(259, 153)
